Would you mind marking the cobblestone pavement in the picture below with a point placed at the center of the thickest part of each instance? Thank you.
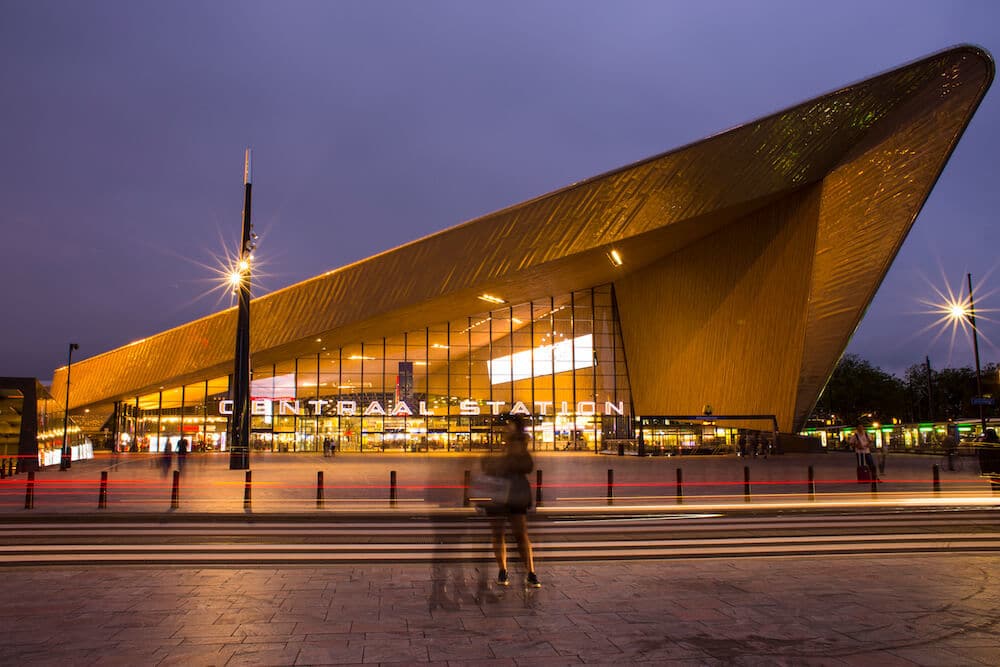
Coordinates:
(889, 610)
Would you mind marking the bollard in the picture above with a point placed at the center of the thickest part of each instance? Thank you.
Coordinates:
(246, 491)
(466, 482)
(611, 486)
(102, 494)
(319, 490)
(175, 491)
(29, 491)
(937, 478)
(812, 484)
(3, 469)
(874, 483)
(621, 448)
(746, 484)
(680, 486)
(392, 488)
(538, 488)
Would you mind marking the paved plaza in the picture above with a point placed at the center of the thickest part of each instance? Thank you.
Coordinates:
(838, 610)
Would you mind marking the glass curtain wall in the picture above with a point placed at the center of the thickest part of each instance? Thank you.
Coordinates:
(557, 361)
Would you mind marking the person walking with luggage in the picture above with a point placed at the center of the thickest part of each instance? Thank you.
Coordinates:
(862, 443)
(513, 465)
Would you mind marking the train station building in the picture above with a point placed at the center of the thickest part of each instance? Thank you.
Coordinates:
(729, 273)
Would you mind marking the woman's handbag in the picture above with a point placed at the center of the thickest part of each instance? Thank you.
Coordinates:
(489, 492)
(519, 496)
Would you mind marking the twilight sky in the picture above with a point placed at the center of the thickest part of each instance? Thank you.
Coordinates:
(376, 123)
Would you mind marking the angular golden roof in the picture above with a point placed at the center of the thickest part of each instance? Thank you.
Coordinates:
(788, 223)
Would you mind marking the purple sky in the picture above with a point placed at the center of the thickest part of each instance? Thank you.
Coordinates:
(375, 123)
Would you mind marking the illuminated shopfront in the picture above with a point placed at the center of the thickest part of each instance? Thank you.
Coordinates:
(559, 362)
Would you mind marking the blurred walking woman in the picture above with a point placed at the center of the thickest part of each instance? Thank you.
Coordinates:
(515, 464)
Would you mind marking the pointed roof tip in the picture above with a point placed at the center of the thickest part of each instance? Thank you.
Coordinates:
(976, 51)
(980, 52)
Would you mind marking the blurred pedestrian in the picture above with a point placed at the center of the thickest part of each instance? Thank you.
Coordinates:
(513, 467)
(862, 444)
(950, 444)
(166, 457)
(443, 494)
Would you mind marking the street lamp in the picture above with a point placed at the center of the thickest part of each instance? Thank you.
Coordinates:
(239, 280)
(958, 310)
(65, 461)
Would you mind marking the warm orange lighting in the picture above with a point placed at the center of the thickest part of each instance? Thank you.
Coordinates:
(615, 257)
(491, 298)
(235, 278)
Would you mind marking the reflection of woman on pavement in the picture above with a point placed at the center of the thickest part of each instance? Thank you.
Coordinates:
(514, 465)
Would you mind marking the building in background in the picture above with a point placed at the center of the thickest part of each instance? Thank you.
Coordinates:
(728, 273)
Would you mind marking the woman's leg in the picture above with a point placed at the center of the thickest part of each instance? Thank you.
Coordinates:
(519, 525)
(499, 546)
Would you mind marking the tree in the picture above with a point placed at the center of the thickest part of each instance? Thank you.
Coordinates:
(858, 391)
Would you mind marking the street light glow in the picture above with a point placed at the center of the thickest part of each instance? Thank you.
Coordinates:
(952, 312)
(957, 310)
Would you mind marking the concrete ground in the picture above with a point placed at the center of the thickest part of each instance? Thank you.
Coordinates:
(288, 482)
(930, 609)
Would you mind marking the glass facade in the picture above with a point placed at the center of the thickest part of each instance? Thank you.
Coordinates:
(558, 361)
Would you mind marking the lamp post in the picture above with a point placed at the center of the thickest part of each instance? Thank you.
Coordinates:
(975, 349)
(239, 278)
(65, 461)
(967, 310)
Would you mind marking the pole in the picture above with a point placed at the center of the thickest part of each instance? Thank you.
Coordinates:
(975, 349)
(239, 434)
(930, 395)
(246, 491)
(319, 490)
(29, 491)
(66, 459)
(175, 491)
(102, 494)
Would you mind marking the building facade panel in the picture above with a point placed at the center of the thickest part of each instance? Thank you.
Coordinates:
(871, 200)
(720, 323)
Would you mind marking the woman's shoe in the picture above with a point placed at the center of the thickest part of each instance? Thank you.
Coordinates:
(532, 581)
(503, 579)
